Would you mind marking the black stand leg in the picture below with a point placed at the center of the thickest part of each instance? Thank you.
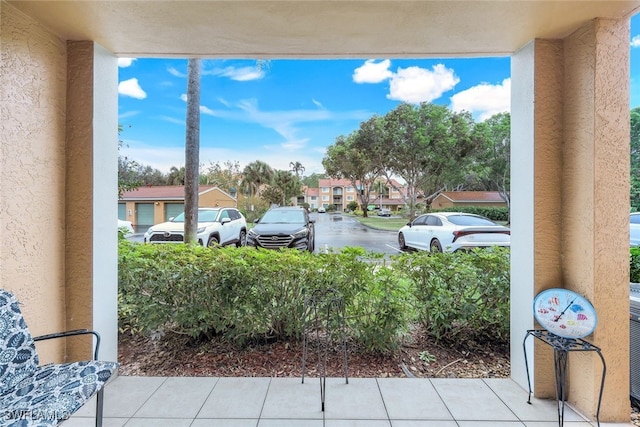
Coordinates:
(561, 348)
(323, 312)
(560, 366)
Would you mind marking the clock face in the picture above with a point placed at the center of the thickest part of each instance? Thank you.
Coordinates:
(565, 313)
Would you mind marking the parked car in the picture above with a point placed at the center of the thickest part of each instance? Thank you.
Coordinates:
(126, 226)
(452, 231)
(321, 209)
(634, 229)
(384, 212)
(216, 226)
(285, 227)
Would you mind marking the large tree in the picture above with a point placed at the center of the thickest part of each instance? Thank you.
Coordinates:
(192, 152)
(346, 161)
(495, 158)
(256, 174)
(226, 176)
(428, 146)
(287, 184)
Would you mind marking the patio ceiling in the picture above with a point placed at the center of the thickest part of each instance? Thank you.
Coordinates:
(331, 29)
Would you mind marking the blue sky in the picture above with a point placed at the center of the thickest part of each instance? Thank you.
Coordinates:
(285, 111)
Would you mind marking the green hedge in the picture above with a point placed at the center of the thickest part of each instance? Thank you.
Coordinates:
(634, 275)
(244, 294)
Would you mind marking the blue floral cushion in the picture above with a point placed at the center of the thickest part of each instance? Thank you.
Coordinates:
(54, 392)
(18, 356)
(38, 396)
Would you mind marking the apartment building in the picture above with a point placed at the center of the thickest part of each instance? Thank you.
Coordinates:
(340, 192)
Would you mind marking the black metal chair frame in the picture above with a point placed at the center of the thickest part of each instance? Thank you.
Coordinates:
(77, 332)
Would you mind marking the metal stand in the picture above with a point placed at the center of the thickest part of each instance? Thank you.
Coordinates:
(561, 348)
(324, 312)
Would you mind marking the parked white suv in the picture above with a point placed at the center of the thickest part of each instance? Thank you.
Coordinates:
(216, 226)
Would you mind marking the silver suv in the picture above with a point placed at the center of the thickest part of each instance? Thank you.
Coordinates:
(216, 226)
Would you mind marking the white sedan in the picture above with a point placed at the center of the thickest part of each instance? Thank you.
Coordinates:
(452, 231)
(634, 229)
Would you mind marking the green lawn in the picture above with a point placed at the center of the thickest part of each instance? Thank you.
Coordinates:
(381, 223)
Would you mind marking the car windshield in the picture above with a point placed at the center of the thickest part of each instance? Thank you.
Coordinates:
(208, 215)
(469, 220)
(283, 217)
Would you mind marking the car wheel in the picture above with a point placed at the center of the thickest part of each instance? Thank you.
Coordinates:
(242, 240)
(213, 242)
(401, 242)
(435, 246)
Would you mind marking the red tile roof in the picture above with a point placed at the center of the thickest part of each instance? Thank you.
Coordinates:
(472, 196)
(161, 192)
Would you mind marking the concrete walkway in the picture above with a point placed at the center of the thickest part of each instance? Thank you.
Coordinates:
(286, 402)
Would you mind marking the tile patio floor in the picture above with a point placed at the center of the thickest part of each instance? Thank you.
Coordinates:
(286, 402)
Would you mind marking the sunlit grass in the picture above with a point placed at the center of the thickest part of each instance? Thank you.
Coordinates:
(381, 223)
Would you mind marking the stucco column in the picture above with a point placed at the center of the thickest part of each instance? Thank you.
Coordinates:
(91, 195)
(536, 199)
(570, 202)
(595, 205)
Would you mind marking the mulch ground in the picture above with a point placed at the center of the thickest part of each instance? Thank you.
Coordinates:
(420, 356)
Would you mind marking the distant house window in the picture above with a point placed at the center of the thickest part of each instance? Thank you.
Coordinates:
(325, 189)
(314, 198)
(349, 189)
(349, 198)
(325, 198)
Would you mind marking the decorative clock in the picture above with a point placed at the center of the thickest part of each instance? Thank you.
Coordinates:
(565, 313)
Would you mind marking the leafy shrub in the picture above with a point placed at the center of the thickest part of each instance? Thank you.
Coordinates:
(462, 294)
(380, 314)
(244, 294)
(634, 275)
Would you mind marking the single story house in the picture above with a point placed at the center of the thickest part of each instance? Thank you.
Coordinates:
(149, 205)
(450, 199)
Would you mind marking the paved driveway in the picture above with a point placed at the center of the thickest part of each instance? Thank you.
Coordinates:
(336, 231)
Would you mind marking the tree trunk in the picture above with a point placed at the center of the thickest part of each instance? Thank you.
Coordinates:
(192, 153)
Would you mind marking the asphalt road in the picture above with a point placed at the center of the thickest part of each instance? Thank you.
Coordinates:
(336, 231)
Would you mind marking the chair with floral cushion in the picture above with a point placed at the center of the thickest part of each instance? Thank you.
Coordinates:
(37, 396)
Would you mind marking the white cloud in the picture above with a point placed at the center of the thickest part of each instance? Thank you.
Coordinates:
(243, 74)
(163, 158)
(128, 114)
(373, 72)
(131, 88)
(412, 85)
(317, 103)
(484, 100)
(125, 62)
(224, 102)
(172, 120)
(284, 123)
(183, 97)
(635, 41)
(175, 72)
(415, 84)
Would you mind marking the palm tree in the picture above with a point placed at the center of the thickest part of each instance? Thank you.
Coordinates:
(192, 152)
(297, 168)
(176, 176)
(255, 174)
(288, 185)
